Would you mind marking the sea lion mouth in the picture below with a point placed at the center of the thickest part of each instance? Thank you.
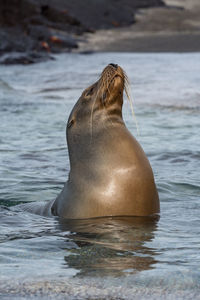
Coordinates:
(108, 83)
(110, 72)
(111, 86)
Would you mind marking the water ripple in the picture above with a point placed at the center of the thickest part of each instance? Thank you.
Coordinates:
(108, 258)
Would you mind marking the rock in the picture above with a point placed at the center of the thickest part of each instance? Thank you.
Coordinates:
(105, 13)
(60, 39)
(14, 39)
(31, 29)
(24, 58)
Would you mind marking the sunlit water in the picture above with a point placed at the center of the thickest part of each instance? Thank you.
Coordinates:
(122, 258)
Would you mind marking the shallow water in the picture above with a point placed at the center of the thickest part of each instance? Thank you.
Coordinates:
(119, 258)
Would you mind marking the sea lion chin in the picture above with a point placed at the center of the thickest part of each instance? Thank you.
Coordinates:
(110, 174)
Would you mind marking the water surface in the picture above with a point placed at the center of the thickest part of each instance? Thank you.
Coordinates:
(109, 258)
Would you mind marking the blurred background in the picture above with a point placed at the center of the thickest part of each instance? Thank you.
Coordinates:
(50, 51)
(30, 30)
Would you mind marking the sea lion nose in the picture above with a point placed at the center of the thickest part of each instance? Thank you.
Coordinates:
(114, 65)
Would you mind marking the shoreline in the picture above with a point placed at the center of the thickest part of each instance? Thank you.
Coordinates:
(169, 26)
(172, 28)
(151, 43)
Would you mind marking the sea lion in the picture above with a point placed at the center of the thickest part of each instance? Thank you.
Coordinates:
(110, 174)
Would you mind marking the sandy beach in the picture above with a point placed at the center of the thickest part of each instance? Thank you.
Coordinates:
(173, 28)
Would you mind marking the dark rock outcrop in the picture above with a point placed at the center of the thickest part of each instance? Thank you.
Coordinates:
(32, 29)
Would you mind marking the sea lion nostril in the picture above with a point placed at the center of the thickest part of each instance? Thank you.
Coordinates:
(114, 65)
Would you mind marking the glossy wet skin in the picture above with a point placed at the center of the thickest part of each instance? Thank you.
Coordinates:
(109, 172)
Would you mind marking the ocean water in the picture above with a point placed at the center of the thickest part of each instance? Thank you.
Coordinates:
(108, 258)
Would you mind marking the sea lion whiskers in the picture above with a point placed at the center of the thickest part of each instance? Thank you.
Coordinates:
(100, 95)
(130, 99)
(91, 119)
(107, 77)
(105, 88)
(121, 73)
(104, 85)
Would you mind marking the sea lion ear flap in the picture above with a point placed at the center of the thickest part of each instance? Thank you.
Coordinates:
(70, 123)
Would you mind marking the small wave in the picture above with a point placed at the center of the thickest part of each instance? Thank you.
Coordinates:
(192, 107)
(53, 97)
(6, 203)
(187, 186)
(5, 86)
(55, 89)
(186, 105)
(33, 156)
(91, 288)
(179, 157)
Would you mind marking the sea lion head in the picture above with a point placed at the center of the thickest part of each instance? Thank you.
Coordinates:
(100, 101)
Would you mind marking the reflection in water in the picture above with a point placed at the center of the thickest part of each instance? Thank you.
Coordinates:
(110, 246)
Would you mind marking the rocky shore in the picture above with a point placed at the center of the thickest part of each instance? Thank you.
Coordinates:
(31, 30)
